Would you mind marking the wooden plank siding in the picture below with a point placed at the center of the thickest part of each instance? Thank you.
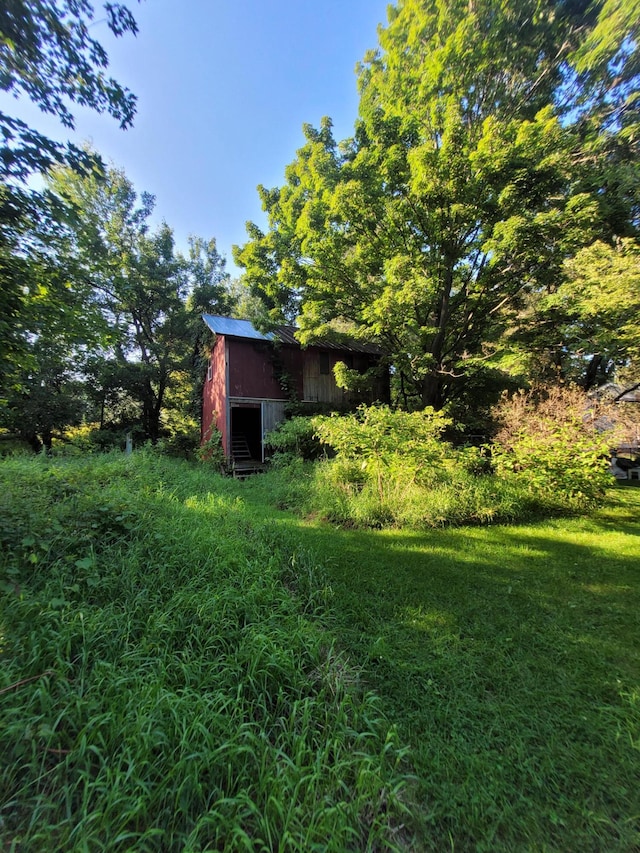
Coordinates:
(318, 381)
(248, 369)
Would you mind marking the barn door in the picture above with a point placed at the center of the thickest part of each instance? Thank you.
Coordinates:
(272, 415)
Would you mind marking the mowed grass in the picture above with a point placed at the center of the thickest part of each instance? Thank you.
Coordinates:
(210, 673)
(509, 659)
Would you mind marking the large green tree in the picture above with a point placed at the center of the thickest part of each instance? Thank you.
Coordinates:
(136, 283)
(600, 304)
(140, 293)
(49, 53)
(495, 139)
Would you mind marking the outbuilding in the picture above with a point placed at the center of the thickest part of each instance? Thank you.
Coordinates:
(251, 377)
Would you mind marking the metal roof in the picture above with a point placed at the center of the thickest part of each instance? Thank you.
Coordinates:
(234, 328)
(285, 334)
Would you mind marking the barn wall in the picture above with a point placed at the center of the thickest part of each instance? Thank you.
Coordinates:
(319, 387)
(273, 413)
(256, 371)
(289, 360)
(214, 408)
(252, 370)
(322, 388)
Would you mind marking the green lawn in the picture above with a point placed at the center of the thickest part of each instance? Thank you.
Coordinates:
(208, 673)
(509, 658)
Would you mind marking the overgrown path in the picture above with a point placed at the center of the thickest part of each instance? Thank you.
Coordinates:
(509, 658)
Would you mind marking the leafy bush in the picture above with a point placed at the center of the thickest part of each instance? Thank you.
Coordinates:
(295, 438)
(211, 452)
(555, 442)
(183, 442)
(390, 468)
(387, 442)
(380, 433)
(393, 468)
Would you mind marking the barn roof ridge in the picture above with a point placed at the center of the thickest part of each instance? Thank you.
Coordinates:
(231, 327)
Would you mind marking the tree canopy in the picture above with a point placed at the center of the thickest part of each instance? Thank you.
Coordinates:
(97, 311)
(495, 140)
(127, 333)
(48, 54)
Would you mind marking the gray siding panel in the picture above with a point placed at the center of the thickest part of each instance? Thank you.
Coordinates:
(272, 415)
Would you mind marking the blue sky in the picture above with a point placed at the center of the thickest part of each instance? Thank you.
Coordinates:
(223, 89)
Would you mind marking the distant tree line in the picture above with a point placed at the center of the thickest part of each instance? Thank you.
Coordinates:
(99, 314)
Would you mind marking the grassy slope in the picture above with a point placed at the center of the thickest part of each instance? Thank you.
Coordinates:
(509, 657)
(164, 685)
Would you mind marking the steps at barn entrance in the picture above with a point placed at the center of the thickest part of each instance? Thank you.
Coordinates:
(242, 463)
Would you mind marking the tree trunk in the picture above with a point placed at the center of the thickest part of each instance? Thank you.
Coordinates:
(34, 441)
(431, 391)
(592, 372)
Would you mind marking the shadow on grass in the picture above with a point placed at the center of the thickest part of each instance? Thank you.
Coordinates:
(509, 657)
(506, 656)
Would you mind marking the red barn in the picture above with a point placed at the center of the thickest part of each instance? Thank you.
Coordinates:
(251, 377)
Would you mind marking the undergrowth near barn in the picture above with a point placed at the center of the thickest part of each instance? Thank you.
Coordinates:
(165, 682)
(380, 467)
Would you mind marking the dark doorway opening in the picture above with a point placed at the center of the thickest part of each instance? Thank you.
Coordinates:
(246, 433)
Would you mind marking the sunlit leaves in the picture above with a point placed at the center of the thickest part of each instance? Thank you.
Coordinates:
(471, 177)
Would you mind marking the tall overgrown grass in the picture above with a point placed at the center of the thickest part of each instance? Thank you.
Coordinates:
(166, 680)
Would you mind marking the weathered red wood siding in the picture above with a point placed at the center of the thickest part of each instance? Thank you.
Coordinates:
(214, 407)
(291, 361)
(252, 370)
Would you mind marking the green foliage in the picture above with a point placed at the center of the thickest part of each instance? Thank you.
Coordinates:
(167, 681)
(350, 495)
(211, 451)
(393, 468)
(556, 443)
(390, 468)
(378, 434)
(123, 308)
(601, 302)
(47, 52)
(480, 162)
(295, 438)
(108, 304)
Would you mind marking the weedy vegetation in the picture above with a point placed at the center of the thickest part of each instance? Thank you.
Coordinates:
(166, 681)
(185, 667)
(386, 468)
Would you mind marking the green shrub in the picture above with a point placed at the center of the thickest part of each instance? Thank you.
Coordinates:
(295, 438)
(553, 444)
(183, 442)
(393, 468)
(380, 434)
(211, 452)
